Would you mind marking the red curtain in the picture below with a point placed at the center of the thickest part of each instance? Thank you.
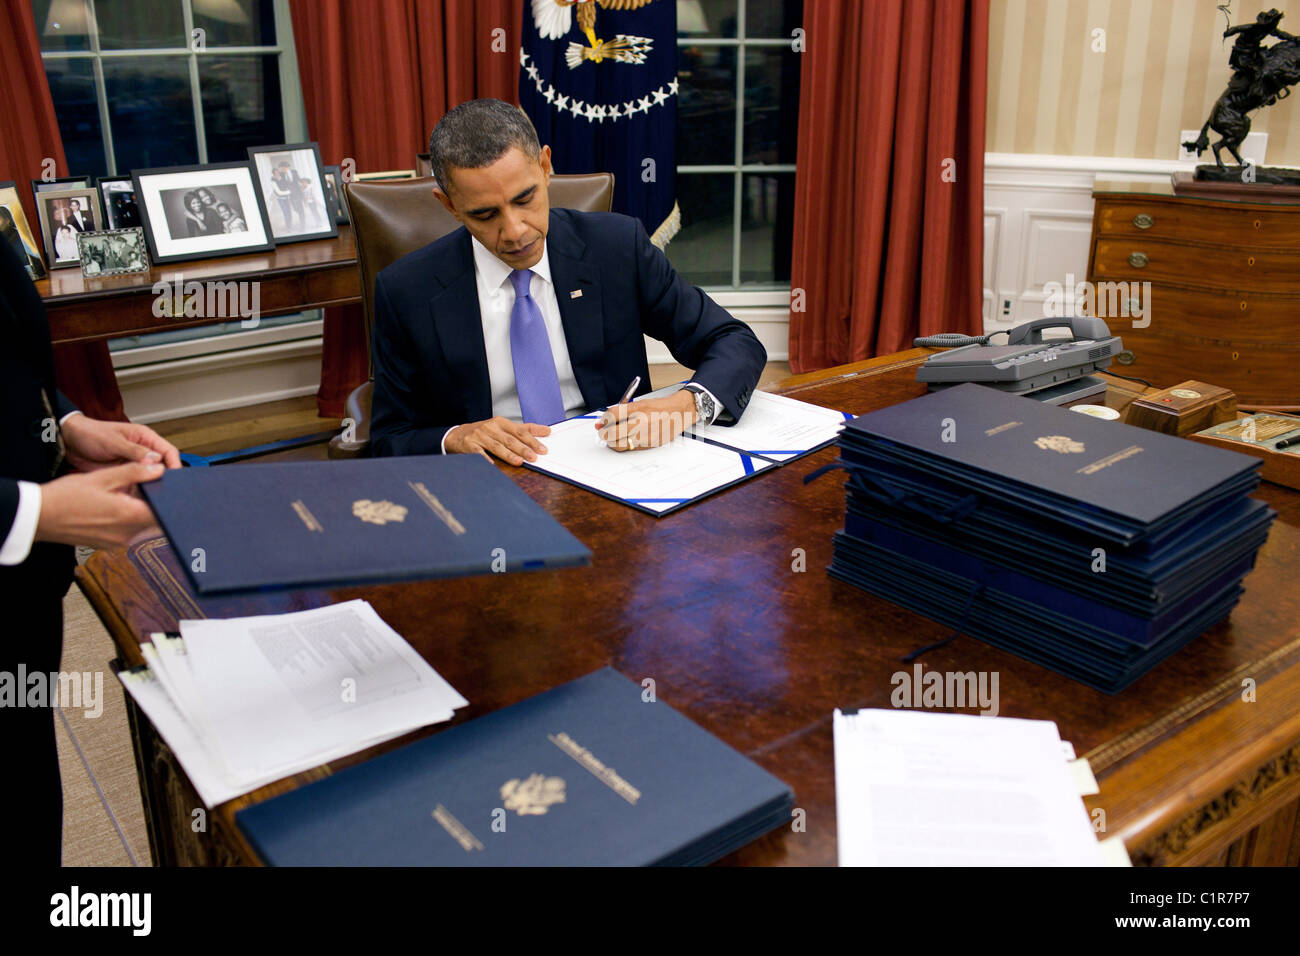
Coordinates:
(29, 134)
(889, 192)
(376, 77)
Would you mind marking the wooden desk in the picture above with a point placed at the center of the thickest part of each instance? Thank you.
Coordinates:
(708, 604)
(303, 275)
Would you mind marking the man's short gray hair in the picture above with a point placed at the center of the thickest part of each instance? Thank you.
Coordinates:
(476, 134)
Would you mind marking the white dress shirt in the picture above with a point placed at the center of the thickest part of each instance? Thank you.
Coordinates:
(22, 533)
(496, 301)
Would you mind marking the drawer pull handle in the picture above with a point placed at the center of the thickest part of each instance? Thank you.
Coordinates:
(1139, 260)
(1250, 261)
(1243, 306)
(1126, 357)
(1143, 221)
(1257, 224)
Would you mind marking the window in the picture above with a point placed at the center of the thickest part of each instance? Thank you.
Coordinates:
(142, 83)
(737, 125)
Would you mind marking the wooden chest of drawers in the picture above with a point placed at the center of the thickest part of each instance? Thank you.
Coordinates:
(1199, 288)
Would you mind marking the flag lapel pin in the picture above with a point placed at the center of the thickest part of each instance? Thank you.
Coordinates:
(575, 294)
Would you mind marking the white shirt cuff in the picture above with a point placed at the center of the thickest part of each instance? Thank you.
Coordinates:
(77, 411)
(18, 543)
(443, 444)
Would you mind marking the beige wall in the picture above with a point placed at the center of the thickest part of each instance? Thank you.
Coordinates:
(1164, 65)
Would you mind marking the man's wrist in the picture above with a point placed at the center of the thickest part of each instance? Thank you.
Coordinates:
(445, 435)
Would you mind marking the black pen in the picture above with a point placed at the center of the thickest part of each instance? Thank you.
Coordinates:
(1287, 443)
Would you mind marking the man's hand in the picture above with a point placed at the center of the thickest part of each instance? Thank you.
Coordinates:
(512, 442)
(647, 424)
(97, 509)
(94, 444)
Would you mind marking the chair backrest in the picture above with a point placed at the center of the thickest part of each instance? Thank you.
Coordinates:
(393, 217)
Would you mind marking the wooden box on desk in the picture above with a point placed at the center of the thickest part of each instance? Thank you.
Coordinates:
(1280, 467)
(1186, 408)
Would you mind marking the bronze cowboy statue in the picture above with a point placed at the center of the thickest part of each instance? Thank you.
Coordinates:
(1260, 77)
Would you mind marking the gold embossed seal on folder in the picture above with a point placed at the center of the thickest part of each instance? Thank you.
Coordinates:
(533, 795)
(378, 512)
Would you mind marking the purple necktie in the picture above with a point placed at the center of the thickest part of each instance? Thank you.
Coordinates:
(536, 381)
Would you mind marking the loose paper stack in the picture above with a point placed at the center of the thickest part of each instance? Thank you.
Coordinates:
(1090, 547)
(246, 701)
(930, 789)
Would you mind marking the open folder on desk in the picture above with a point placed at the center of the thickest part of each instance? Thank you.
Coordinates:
(702, 461)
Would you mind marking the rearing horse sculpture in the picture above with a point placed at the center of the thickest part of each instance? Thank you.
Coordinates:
(1261, 76)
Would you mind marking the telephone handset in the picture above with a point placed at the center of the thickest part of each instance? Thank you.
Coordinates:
(1026, 363)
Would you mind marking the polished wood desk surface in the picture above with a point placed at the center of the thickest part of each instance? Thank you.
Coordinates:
(294, 277)
(708, 604)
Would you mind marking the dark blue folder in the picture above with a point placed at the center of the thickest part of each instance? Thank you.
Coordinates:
(293, 524)
(1118, 481)
(585, 774)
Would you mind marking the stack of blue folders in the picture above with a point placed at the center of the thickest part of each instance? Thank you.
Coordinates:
(1093, 548)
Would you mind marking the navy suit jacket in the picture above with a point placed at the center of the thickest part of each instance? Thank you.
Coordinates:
(431, 369)
(27, 369)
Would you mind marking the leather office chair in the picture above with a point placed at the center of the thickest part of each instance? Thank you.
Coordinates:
(391, 218)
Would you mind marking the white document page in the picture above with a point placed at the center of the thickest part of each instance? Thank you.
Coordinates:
(201, 762)
(776, 427)
(655, 478)
(928, 789)
(279, 689)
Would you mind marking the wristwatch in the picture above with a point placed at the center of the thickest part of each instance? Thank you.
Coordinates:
(705, 408)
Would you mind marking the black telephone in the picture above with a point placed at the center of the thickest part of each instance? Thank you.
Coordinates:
(1026, 363)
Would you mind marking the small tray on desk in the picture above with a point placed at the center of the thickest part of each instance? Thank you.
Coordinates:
(1258, 435)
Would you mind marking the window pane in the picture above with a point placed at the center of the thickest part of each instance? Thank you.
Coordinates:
(771, 104)
(140, 24)
(767, 19)
(61, 24)
(711, 18)
(766, 226)
(72, 87)
(151, 112)
(236, 22)
(701, 251)
(241, 104)
(706, 105)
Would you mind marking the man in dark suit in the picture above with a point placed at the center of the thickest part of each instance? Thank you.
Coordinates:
(529, 315)
(43, 512)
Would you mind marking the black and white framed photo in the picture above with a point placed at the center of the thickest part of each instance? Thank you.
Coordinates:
(113, 252)
(63, 182)
(292, 181)
(117, 193)
(334, 194)
(64, 213)
(15, 231)
(195, 212)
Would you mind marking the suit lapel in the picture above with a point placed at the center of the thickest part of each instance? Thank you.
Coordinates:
(581, 316)
(459, 326)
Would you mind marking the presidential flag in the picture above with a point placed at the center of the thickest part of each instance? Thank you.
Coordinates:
(598, 78)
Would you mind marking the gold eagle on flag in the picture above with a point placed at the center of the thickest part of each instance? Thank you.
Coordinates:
(554, 18)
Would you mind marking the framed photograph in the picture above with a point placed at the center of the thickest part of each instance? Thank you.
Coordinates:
(117, 193)
(15, 231)
(113, 252)
(64, 182)
(196, 212)
(292, 182)
(334, 194)
(64, 213)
